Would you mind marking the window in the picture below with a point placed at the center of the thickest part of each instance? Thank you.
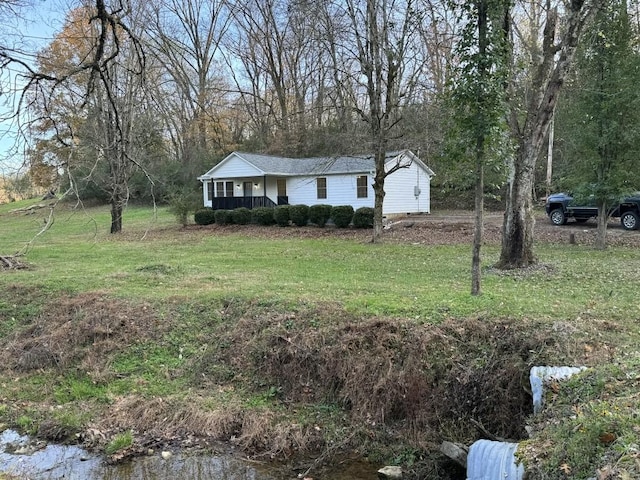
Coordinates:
(321, 184)
(209, 190)
(219, 189)
(229, 190)
(282, 187)
(362, 186)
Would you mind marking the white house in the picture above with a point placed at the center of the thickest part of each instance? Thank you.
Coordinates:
(252, 180)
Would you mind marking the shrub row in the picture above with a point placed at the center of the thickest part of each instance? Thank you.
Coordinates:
(285, 215)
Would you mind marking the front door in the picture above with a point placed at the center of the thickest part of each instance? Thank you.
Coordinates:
(281, 184)
(247, 189)
(282, 187)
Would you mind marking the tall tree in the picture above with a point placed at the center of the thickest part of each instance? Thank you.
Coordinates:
(58, 113)
(529, 122)
(479, 96)
(263, 30)
(382, 31)
(185, 38)
(109, 36)
(337, 89)
(601, 112)
(438, 32)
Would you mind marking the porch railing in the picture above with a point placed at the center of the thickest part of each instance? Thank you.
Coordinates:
(230, 203)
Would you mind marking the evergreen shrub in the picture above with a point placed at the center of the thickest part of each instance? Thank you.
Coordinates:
(363, 217)
(281, 215)
(223, 217)
(204, 216)
(299, 215)
(342, 215)
(241, 216)
(319, 214)
(262, 216)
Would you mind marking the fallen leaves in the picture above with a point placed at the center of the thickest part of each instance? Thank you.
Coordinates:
(607, 437)
(565, 468)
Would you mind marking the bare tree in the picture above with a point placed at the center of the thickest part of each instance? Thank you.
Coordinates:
(262, 29)
(185, 37)
(381, 31)
(437, 32)
(110, 33)
(116, 105)
(291, 78)
(529, 123)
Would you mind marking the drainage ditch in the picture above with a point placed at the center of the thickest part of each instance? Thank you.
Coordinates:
(491, 460)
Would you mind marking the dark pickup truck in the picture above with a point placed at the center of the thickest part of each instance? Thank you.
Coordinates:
(560, 207)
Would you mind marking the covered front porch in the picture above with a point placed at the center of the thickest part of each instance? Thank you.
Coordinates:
(252, 192)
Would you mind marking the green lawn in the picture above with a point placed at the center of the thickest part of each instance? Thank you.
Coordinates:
(155, 259)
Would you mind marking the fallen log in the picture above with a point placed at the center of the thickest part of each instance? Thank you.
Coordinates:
(30, 208)
(10, 262)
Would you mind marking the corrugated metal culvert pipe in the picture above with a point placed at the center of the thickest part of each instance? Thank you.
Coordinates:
(490, 460)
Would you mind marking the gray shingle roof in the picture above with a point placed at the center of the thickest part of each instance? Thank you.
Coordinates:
(286, 166)
(273, 165)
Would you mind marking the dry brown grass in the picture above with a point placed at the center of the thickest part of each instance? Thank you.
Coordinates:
(160, 421)
(79, 331)
(423, 379)
(173, 418)
(392, 380)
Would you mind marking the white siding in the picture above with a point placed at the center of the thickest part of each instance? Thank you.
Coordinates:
(205, 193)
(341, 190)
(407, 189)
(400, 188)
(235, 167)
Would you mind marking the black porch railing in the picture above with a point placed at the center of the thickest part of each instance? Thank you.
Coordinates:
(230, 203)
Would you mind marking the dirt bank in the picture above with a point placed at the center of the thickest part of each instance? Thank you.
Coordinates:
(266, 386)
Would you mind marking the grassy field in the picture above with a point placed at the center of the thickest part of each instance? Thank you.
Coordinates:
(156, 259)
(217, 314)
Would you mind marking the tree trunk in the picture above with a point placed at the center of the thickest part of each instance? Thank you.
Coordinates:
(519, 221)
(378, 189)
(603, 217)
(116, 215)
(530, 131)
(481, 132)
(478, 229)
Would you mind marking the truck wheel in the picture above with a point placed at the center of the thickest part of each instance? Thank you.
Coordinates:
(558, 217)
(629, 220)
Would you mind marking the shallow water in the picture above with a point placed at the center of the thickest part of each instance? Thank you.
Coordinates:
(70, 462)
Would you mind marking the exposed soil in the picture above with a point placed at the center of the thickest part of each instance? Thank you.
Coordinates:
(445, 228)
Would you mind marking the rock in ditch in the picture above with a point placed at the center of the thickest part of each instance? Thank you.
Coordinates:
(390, 472)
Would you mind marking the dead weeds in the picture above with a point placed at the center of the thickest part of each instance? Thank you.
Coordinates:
(78, 332)
(434, 380)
